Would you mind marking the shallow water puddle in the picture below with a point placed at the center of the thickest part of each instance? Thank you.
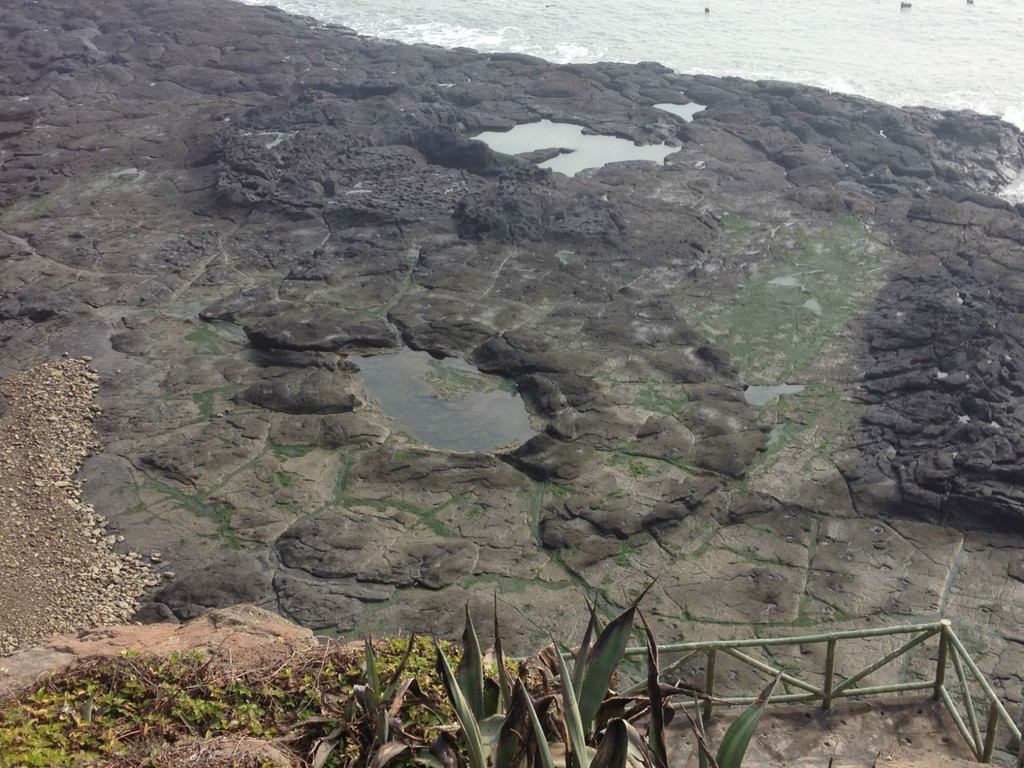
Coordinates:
(792, 281)
(273, 138)
(787, 281)
(585, 150)
(762, 395)
(685, 111)
(445, 403)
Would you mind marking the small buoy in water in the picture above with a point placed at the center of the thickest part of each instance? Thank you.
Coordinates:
(904, 5)
(707, 10)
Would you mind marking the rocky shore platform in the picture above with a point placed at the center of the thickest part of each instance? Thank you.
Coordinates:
(778, 375)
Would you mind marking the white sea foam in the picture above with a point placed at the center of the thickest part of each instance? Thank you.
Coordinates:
(446, 35)
(1015, 114)
(1014, 191)
(565, 53)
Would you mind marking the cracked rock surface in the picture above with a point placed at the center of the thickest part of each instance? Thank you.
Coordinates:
(223, 206)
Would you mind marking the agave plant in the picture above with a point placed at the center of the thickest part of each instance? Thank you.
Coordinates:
(503, 726)
(733, 746)
(594, 667)
(363, 706)
(370, 717)
(737, 738)
(494, 720)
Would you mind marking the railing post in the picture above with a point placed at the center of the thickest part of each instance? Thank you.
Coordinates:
(990, 733)
(940, 663)
(1020, 748)
(830, 666)
(709, 682)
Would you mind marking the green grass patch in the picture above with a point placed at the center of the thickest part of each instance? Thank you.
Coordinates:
(199, 505)
(793, 307)
(204, 401)
(341, 481)
(33, 206)
(815, 421)
(638, 469)
(558, 490)
(404, 456)
(750, 555)
(425, 518)
(659, 400)
(836, 612)
(208, 340)
(285, 452)
(122, 711)
(734, 224)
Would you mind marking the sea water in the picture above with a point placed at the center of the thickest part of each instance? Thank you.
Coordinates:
(940, 53)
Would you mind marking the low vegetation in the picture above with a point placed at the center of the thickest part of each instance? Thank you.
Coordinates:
(124, 711)
(391, 702)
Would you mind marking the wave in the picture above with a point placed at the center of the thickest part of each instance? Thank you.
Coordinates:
(1014, 191)
(1015, 114)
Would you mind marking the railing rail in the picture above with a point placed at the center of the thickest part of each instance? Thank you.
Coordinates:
(962, 704)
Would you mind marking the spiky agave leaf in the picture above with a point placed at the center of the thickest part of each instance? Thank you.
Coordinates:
(543, 749)
(430, 760)
(445, 750)
(546, 760)
(512, 737)
(470, 672)
(639, 750)
(573, 718)
(602, 662)
(737, 738)
(493, 706)
(704, 756)
(323, 747)
(656, 729)
(504, 684)
(579, 667)
(613, 751)
(396, 678)
(387, 752)
(476, 753)
(394, 709)
(371, 695)
(370, 672)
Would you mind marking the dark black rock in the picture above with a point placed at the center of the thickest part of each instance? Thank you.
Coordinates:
(323, 329)
(311, 390)
(241, 577)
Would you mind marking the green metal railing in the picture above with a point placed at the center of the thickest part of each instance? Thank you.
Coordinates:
(967, 710)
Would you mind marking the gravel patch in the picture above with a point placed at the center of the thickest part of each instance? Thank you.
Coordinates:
(58, 570)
